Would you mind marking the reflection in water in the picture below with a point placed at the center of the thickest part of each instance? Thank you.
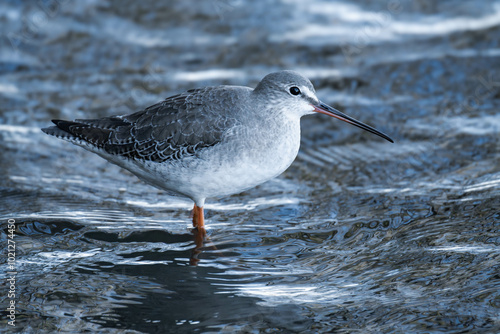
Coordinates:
(356, 236)
(270, 275)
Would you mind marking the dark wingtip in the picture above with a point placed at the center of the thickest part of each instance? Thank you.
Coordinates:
(61, 130)
(57, 132)
(64, 125)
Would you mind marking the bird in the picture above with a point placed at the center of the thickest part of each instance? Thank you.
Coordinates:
(208, 142)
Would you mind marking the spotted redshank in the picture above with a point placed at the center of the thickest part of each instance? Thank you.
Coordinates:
(208, 142)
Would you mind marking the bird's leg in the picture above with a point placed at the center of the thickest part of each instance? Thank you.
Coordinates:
(199, 233)
(198, 217)
(199, 225)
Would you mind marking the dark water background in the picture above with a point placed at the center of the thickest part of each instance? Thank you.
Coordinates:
(358, 236)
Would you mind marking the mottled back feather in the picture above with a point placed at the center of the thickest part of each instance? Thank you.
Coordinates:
(178, 126)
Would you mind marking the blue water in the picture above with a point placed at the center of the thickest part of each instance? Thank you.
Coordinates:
(358, 236)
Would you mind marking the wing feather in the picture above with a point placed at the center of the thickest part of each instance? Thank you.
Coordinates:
(178, 126)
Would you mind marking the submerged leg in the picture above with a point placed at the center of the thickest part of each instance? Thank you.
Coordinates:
(198, 217)
(199, 233)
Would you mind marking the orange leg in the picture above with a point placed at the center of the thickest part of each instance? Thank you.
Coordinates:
(199, 233)
(198, 217)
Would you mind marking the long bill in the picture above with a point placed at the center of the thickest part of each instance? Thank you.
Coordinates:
(327, 110)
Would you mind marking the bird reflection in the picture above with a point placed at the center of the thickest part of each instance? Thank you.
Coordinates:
(200, 234)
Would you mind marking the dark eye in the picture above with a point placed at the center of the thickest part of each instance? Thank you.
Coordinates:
(294, 90)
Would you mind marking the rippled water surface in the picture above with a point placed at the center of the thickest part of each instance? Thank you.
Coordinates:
(359, 235)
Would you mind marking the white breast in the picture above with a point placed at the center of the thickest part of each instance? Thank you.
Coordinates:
(246, 157)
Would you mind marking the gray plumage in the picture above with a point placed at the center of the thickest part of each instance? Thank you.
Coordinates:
(168, 130)
(207, 142)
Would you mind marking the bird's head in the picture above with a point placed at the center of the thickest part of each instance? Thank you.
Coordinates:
(295, 94)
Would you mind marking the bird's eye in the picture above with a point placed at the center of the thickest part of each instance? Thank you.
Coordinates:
(294, 90)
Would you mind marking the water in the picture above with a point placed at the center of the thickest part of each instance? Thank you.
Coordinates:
(359, 235)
